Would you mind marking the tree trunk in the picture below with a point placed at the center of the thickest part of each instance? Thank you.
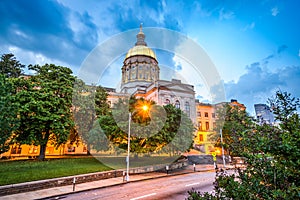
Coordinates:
(42, 151)
(43, 146)
(88, 146)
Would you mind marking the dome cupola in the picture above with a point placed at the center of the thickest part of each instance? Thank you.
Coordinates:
(140, 66)
(140, 47)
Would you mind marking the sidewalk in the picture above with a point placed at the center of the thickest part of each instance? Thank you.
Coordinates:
(38, 194)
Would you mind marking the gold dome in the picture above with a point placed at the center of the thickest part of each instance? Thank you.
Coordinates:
(140, 47)
(140, 50)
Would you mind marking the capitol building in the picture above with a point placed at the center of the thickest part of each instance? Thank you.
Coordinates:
(141, 78)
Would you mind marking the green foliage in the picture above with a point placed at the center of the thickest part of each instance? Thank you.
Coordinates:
(233, 121)
(151, 131)
(44, 110)
(272, 156)
(88, 103)
(182, 128)
(10, 66)
(10, 69)
(8, 112)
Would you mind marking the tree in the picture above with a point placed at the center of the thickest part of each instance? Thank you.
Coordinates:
(178, 130)
(8, 112)
(45, 102)
(272, 156)
(88, 103)
(10, 66)
(233, 121)
(151, 131)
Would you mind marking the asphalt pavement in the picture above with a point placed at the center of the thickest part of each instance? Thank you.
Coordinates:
(40, 194)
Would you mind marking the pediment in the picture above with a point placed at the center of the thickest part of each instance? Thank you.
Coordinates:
(168, 85)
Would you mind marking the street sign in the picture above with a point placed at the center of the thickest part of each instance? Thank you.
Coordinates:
(214, 154)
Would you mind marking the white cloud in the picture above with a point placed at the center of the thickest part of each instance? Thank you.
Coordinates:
(30, 57)
(274, 11)
(249, 26)
(225, 14)
(258, 84)
(200, 10)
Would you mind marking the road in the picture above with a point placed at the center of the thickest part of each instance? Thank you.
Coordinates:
(166, 188)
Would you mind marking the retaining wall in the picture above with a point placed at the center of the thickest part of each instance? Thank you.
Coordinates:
(206, 159)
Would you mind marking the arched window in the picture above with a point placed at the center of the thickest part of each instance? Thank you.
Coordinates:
(187, 108)
(177, 104)
(167, 102)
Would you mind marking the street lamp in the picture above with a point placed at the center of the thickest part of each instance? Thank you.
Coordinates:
(144, 108)
(223, 156)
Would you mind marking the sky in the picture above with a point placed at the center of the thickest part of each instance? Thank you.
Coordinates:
(254, 45)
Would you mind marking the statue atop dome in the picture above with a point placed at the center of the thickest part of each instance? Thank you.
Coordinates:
(140, 37)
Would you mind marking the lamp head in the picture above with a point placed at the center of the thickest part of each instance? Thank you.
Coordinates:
(145, 107)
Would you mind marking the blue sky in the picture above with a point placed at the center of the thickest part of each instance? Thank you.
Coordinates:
(255, 45)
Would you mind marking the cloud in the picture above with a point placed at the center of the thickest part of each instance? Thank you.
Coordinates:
(249, 26)
(258, 84)
(274, 11)
(225, 14)
(47, 28)
(129, 14)
(198, 8)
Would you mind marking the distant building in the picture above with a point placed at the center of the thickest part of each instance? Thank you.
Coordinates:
(206, 125)
(264, 114)
(206, 122)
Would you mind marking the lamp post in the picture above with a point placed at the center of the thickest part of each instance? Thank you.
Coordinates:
(128, 148)
(145, 108)
(222, 149)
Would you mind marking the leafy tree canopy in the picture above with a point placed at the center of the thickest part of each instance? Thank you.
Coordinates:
(232, 120)
(272, 156)
(10, 66)
(8, 113)
(45, 100)
(88, 103)
(152, 130)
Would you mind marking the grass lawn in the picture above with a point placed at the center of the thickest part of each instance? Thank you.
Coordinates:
(18, 171)
(29, 170)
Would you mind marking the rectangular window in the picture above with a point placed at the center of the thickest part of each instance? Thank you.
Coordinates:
(200, 126)
(71, 149)
(213, 115)
(33, 150)
(201, 138)
(16, 150)
(199, 114)
(206, 114)
(207, 125)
